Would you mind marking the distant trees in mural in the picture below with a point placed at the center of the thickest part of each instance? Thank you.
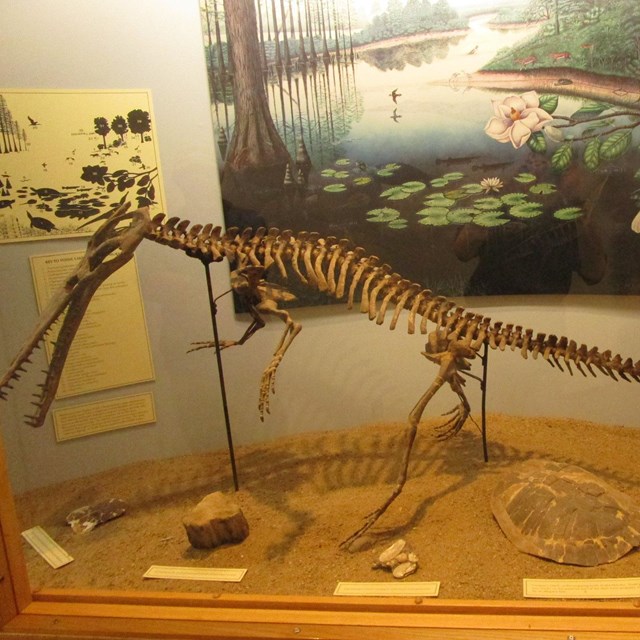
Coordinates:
(13, 137)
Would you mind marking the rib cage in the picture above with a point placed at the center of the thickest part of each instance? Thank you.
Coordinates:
(339, 269)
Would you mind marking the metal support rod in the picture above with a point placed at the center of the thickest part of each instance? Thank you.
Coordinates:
(225, 407)
(483, 388)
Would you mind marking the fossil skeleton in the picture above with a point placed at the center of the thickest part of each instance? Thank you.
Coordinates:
(327, 264)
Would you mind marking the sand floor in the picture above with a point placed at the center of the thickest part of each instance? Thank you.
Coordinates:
(303, 495)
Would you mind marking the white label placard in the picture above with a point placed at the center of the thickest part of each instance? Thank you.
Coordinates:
(47, 547)
(195, 573)
(423, 589)
(582, 588)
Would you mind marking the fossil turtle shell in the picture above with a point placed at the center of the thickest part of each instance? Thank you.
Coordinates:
(566, 514)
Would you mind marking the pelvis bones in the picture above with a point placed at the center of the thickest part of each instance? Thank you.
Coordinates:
(326, 264)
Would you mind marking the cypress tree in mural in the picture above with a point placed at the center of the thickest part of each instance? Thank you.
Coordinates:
(256, 143)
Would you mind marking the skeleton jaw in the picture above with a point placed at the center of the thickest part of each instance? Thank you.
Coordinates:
(108, 250)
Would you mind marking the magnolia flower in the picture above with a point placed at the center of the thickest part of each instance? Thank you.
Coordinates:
(516, 118)
(491, 184)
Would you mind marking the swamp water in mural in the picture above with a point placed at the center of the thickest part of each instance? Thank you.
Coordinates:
(478, 151)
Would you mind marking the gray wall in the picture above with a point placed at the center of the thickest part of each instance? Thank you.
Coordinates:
(343, 371)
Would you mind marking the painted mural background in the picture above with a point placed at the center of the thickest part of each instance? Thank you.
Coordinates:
(478, 148)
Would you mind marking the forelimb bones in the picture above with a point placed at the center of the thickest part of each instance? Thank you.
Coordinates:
(261, 298)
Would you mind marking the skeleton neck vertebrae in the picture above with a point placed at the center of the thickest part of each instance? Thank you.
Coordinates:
(327, 264)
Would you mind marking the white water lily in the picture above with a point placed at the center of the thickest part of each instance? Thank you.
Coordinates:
(491, 184)
(516, 118)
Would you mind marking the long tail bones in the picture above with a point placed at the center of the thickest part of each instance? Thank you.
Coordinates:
(325, 264)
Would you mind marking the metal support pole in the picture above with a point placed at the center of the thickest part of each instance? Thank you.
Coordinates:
(225, 407)
(483, 388)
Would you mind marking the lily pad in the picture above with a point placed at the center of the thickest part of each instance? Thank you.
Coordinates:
(341, 175)
(328, 173)
(462, 216)
(362, 180)
(526, 210)
(487, 204)
(568, 213)
(454, 175)
(399, 223)
(435, 218)
(395, 193)
(439, 202)
(433, 211)
(525, 177)
(386, 214)
(511, 199)
(343, 162)
(472, 187)
(543, 188)
(336, 188)
(414, 186)
(439, 182)
(490, 219)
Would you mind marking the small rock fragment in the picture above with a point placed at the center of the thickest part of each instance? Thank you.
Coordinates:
(404, 569)
(87, 518)
(399, 559)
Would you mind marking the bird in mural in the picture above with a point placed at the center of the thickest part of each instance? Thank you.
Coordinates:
(396, 116)
(41, 223)
(32, 122)
(395, 95)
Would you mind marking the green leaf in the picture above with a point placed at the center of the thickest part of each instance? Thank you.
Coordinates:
(386, 214)
(387, 193)
(487, 204)
(343, 162)
(543, 188)
(461, 216)
(490, 219)
(359, 182)
(592, 154)
(568, 213)
(414, 186)
(436, 218)
(615, 145)
(525, 177)
(526, 210)
(392, 166)
(455, 194)
(549, 103)
(588, 110)
(439, 182)
(472, 187)
(328, 173)
(537, 142)
(385, 173)
(433, 211)
(341, 175)
(440, 202)
(335, 188)
(511, 199)
(399, 223)
(400, 195)
(454, 175)
(561, 159)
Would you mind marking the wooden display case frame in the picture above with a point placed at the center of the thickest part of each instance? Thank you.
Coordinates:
(62, 613)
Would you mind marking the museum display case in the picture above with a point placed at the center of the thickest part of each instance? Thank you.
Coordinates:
(148, 430)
